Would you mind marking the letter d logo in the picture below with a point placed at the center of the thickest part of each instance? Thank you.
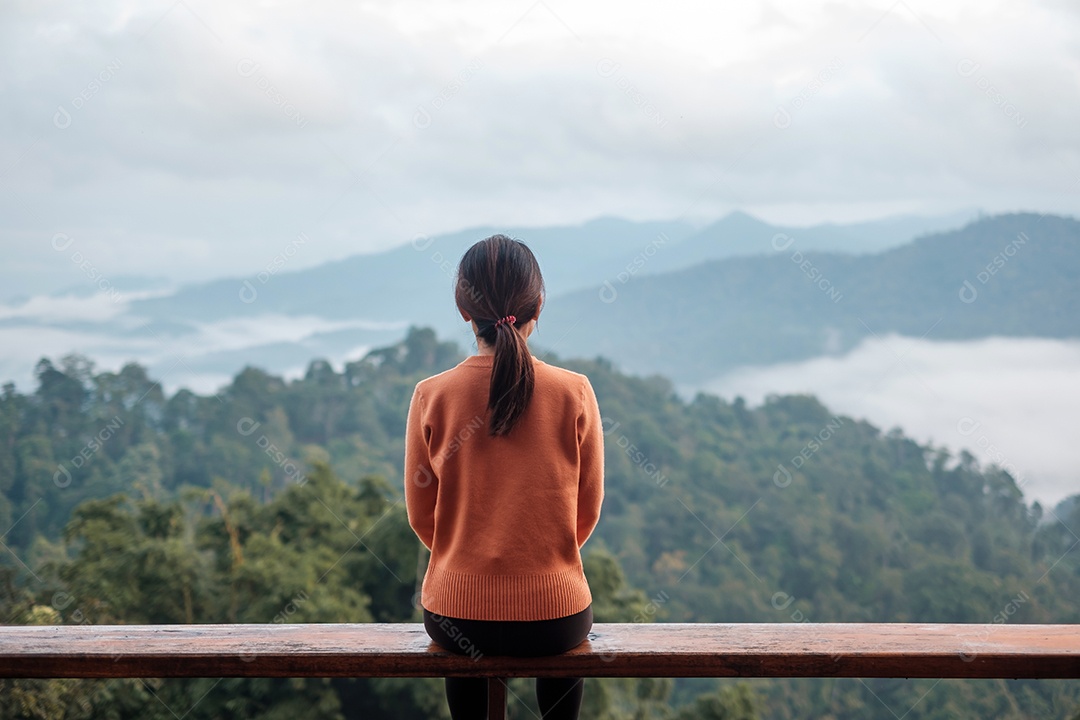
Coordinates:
(246, 67)
(781, 241)
(61, 119)
(781, 119)
(245, 426)
(422, 477)
(61, 238)
(606, 67)
(608, 293)
(968, 293)
(782, 478)
(421, 118)
(966, 67)
(62, 477)
(248, 293)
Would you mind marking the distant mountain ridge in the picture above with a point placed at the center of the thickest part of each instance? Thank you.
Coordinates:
(1009, 275)
(740, 234)
(412, 282)
(368, 300)
(278, 319)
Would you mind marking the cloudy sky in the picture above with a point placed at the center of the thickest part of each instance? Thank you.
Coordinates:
(191, 139)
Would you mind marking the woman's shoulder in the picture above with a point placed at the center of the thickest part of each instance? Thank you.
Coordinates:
(567, 377)
(431, 384)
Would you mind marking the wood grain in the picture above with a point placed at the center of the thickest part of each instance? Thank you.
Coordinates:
(613, 650)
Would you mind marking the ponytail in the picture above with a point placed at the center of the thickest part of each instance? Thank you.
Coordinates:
(512, 379)
(501, 274)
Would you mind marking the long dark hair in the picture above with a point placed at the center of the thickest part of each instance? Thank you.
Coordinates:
(499, 276)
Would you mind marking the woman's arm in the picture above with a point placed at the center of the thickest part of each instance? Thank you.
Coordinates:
(591, 456)
(421, 485)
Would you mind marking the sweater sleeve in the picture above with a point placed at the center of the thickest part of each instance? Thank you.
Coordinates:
(421, 485)
(591, 454)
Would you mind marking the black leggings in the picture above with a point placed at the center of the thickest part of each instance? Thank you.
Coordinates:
(558, 698)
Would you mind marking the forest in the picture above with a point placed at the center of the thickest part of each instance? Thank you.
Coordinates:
(281, 501)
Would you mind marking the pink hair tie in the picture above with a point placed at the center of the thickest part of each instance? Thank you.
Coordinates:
(508, 319)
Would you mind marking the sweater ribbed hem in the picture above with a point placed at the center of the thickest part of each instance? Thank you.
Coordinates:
(504, 597)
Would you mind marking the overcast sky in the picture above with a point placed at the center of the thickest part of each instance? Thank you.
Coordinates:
(199, 138)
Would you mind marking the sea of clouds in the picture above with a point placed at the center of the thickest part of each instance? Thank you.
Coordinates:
(1007, 401)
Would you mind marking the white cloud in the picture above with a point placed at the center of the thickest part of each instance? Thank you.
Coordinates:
(1005, 400)
(96, 308)
(178, 359)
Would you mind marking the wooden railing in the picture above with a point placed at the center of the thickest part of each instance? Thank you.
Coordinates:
(612, 650)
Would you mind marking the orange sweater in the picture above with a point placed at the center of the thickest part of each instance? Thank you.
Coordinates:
(504, 517)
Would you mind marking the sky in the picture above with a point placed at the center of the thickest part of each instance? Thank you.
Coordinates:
(188, 139)
(144, 145)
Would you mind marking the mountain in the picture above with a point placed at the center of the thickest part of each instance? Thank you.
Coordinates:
(362, 301)
(740, 234)
(201, 334)
(1011, 275)
(411, 283)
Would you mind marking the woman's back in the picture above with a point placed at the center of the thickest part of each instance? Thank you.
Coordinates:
(504, 478)
(504, 516)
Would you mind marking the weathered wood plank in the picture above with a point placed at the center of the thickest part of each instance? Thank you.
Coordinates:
(496, 699)
(613, 650)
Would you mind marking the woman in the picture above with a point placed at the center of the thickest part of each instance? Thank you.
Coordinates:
(504, 478)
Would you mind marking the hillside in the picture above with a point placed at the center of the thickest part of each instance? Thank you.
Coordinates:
(1011, 275)
(284, 312)
(412, 282)
(714, 511)
(739, 234)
